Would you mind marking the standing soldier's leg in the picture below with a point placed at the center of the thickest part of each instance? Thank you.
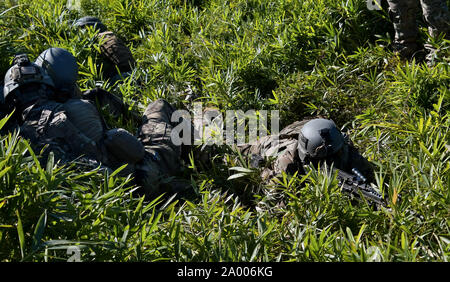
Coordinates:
(437, 16)
(403, 15)
(163, 158)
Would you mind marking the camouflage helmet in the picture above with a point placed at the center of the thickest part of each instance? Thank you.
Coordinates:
(24, 72)
(319, 139)
(91, 21)
(62, 67)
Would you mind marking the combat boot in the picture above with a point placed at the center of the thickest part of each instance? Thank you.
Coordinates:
(409, 51)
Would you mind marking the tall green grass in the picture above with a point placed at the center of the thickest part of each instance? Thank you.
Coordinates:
(300, 57)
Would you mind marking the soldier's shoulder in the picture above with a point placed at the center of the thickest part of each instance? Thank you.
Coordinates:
(292, 129)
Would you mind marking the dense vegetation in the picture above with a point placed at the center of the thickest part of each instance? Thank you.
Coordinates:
(303, 58)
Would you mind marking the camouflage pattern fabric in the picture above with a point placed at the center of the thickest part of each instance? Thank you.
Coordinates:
(404, 15)
(437, 16)
(151, 163)
(162, 161)
(124, 146)
(86, 118)
(284, 148)
(116, 53)
(152, 157)
(115, 147)
(71, 130)
(47, 127)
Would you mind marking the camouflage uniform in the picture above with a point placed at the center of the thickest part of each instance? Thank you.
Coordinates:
(115, 54)
(157, 173)
(404, 13)
(47, 127)
(74, 131)
(71, 130)
(284, 146)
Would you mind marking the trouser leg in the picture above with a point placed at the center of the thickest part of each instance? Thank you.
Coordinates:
(403, 15)
(436, 14)
(155, 135)
(163, 158)
(437, 17)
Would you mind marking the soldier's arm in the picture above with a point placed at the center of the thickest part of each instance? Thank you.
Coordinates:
(361, 164)
(104, 99)
(61, 127)
(284, 151)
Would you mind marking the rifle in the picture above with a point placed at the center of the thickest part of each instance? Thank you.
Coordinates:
(356, 185)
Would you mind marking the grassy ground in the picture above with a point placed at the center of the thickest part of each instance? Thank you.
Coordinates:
(300, 57)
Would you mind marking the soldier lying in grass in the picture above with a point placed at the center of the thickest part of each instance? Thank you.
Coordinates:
(47, 114)
(318, 142)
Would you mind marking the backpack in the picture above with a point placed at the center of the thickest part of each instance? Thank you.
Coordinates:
(116, 52)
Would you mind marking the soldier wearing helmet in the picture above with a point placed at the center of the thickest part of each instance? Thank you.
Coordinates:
(404, 15)
(118, 60)
(32, 78)
(74, 130)
(31, 92)
(26, 75)
(62, 67)
(90, 21)
(310, 141)
(319, 139)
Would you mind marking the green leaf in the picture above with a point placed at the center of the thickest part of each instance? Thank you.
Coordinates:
(39, 231)
(125, 234)
(50, 163)
(4, 120)
(20, 234)
(237, 175)
(241, 169)
(4, 171)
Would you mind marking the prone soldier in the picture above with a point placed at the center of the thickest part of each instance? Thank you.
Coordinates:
(118, 61)
(72, 129)
(62, 67)
(314, 141)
